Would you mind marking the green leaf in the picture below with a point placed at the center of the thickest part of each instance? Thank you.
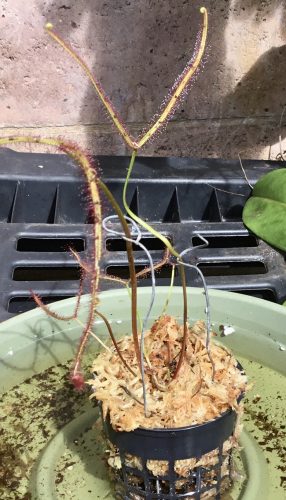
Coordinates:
(265, 212)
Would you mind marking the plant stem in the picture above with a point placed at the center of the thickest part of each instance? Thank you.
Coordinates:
(185, 319)
(130, 256)
(169, 291)
(136, 218)
(108, 326)
(90, 174)
(172, 251)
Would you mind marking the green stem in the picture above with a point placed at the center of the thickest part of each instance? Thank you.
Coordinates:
(136, 218)
(172, 251)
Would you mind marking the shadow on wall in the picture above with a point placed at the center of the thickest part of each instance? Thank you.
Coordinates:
(216, 119)
(259, 98)
(262, 89)
(256, 104)
(261, 9)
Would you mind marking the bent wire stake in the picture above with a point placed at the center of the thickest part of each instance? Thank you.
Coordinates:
(206, 293)
(137, 233)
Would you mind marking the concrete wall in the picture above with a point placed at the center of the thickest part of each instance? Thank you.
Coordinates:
(137, 48)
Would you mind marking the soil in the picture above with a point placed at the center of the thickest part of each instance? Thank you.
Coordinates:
(31, 414)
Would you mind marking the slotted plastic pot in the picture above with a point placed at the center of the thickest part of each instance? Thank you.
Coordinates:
(68, 462)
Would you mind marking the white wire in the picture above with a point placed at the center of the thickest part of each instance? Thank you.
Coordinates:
(206, 293)
(137, 232)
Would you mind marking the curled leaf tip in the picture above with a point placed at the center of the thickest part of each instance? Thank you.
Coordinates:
(203, 10)
(49, 26)
(77, 381)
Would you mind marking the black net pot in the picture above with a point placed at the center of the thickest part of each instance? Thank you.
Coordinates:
(149, 460)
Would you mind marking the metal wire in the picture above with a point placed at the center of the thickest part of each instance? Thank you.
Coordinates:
(206, 293)
(135, 230)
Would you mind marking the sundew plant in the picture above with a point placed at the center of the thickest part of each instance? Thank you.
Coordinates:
(130, 224)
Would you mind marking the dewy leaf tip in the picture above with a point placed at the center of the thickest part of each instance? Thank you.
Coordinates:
(170, 106)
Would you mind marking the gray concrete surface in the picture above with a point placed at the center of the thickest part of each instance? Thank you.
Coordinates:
(137, 48)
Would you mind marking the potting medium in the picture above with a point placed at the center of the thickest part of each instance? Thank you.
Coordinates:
(51, 440)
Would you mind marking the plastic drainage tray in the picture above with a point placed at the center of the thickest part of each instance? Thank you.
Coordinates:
(51, 444)
(44, 212)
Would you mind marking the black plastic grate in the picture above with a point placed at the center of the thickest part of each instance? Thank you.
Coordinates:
(44, 212)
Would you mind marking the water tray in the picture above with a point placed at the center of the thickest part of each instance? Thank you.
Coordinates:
(51, 441)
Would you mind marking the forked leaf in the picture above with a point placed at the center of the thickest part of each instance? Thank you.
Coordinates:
(265, 212)
(177, 90)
